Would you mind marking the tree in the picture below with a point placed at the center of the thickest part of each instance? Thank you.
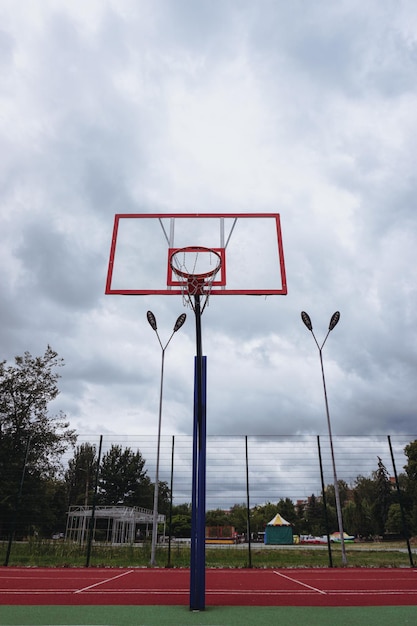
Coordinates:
(181, 520)
(411, 466)
(164, 497)
(350, 516)
(54, 504)
(217, 517)
(123, 480)
(383, 497)
(286, 508)
(31, 440)
(313, 521)
(409, 499)
(261, 515)
(344, 493)
(395, 523)
(80, 475)
(365, 492)
(239, 518)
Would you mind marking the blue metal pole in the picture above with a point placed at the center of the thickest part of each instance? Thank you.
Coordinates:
(198, 505)
(198, 515)
(194, 501)
(201, 511)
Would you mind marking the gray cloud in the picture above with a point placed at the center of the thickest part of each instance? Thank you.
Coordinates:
(308, 111)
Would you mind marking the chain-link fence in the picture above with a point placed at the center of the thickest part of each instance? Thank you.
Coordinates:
(278, 467)
(252, 471)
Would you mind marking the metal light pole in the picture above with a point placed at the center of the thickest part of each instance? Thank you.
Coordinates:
(152, 321)
(333, 321)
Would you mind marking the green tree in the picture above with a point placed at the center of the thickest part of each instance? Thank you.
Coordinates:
(350, 518)
(238, 517)
(395, 521)
(54, 506)
(410, 451)
(81, 474)
(409, 495)
(181, 520)
(383, 497)
(217, 517)
(123, 480)
(164, 497)
(364, 497)
(286, 508)
(313, 521)
(261, 515)
(344, 493)
(31, 440)
(218, 523)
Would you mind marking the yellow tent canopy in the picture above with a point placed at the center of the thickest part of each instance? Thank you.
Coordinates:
(278, 530)
(278, 520)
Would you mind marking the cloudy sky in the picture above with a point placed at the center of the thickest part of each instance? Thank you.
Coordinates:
(306, 109)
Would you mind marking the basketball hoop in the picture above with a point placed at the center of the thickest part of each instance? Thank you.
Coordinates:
(187, 265)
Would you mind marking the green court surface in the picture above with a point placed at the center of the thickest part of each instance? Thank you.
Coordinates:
(212, 616)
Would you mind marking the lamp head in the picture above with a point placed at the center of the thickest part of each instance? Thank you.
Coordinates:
(152, 320)
(180, 321)
(306, 320)
(334, 320)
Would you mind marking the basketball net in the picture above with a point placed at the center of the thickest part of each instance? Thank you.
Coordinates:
(186, 264)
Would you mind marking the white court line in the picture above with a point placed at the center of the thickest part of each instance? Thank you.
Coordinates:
(102, 582)
(217, 592)
(294, 580)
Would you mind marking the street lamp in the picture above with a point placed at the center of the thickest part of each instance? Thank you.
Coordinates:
(333, 321)
(152, 322)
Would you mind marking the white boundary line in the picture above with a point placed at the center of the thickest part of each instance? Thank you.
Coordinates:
(102, 582)
(217, 592)
(294, 580)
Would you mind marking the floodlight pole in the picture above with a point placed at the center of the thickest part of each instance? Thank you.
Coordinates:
(333, 321)
(152, 322)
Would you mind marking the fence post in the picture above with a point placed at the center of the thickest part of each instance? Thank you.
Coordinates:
(400, 500)
(93, 508)
(248, 504)
(17, 507)
(170, 502)
(323, 490)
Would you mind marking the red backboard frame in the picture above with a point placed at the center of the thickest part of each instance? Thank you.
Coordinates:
(171, 288)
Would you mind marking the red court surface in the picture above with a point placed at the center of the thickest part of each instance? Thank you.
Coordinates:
(224, 587)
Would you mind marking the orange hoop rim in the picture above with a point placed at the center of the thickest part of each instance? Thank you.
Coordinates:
(201, 276)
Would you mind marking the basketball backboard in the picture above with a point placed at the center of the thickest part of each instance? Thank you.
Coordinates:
(248, 244)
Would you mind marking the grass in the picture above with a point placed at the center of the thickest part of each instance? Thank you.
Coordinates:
(66, 554)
